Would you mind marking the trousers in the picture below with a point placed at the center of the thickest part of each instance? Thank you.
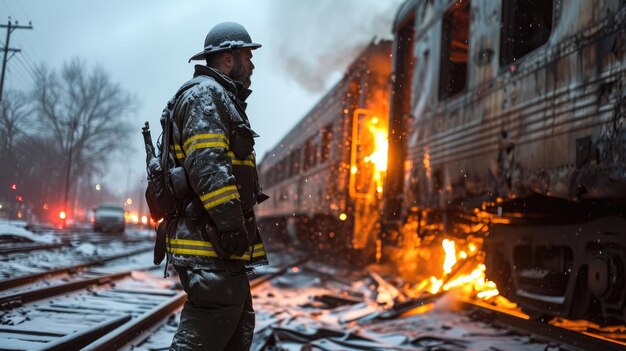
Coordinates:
(218, 314)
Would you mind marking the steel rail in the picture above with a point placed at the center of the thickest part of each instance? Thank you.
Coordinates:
(51, 291)
(28, 248)
(39, 247)
(582, 341)
(18, 281)
(127, 332)
(76, 341)
(117, 332)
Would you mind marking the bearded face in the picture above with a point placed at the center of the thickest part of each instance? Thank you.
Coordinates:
(243, 66)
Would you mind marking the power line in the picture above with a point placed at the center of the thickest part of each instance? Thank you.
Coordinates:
(10, 26)
(25, 68)
(7, 6)
(19, 70)
(42, 44)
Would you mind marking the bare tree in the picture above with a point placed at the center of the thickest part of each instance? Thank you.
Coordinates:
(85, 112)
(14, 110)
(81, 119)
(40, 167)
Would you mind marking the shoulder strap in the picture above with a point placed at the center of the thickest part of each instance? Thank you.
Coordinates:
(167, 129)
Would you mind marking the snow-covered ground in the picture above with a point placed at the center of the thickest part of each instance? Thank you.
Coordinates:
(75, 252)
(320, 307)
(16, 231)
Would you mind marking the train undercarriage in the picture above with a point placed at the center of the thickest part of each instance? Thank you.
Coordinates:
(560, 258)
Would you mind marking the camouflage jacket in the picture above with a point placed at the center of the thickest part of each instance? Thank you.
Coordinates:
(213, 141)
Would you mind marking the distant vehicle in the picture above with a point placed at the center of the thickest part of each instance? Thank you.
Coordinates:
(109, 218)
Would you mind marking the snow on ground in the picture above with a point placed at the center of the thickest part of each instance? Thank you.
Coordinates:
(86, 249)
(320, 307)
(15, 231)
(23, 263)
(308, 309)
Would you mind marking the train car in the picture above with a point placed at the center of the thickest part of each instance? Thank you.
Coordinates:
(509, 125)
(325, 171)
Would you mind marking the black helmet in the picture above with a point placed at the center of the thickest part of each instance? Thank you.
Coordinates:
(225, 36)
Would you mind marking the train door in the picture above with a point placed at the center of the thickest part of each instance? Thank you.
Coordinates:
(368, 165)
(368, 151)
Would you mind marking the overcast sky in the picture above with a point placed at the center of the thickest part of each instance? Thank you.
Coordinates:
(145, 44)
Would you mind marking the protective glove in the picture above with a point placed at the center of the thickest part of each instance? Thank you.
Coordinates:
(235, 242)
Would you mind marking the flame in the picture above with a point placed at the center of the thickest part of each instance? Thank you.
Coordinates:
(475, 282)
(450, 261)
(426, 161)
(379, 156)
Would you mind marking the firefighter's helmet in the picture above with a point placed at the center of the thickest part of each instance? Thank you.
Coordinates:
(225, 36)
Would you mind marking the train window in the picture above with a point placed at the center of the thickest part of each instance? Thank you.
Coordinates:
(314, 154)
(281, 170)
(526, 25)
(294, 162)
(306, 163)
(454, 50)
(327, 137)
(310, 154)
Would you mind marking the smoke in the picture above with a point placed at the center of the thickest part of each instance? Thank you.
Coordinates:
(315, 40)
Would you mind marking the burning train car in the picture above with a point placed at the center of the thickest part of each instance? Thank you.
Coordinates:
(507, 125)
(326, 172)
(503, 128)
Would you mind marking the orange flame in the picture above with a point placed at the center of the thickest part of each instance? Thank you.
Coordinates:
(379, 156)
(475, 282)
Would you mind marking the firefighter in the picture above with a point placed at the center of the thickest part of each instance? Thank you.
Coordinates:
(215, 241)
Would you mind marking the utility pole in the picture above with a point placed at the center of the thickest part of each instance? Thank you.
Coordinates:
(69, 170)
(10, 28)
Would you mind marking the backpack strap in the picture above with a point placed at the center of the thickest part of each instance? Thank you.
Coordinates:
(167, 129)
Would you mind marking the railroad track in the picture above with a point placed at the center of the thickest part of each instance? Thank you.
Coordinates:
(29, 247)
(108, 312)
(30, 278)
(112, 311)
(576, 340)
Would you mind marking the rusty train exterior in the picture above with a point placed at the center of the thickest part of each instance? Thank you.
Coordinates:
(512, 115)
(505, 122)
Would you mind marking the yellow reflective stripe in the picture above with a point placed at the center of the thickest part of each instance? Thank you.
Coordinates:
(232, 155)
(258, 254)
(203, 141)
(199, 248)
(204, 252)
(193, 252)
(248, 161)
(204, 136)
(243, 163)
(219, 196)
(259, 247)
(189, 242)
(258, 250)
(206, 145)
(178, 152)
(205, 243)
